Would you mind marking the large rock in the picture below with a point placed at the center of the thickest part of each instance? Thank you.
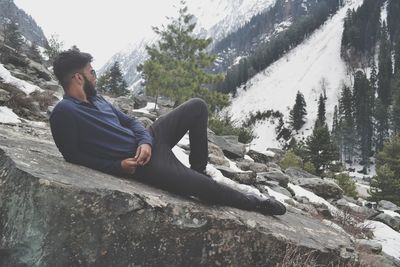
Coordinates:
(260, 157)
(391, 221)
(248, 177)
(295, 173)
(57, 214)
(387, 205)
(275, 175)
(247, 165)
(231, 149)
(321, 187)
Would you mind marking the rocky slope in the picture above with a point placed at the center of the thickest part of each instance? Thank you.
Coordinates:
(27, 25)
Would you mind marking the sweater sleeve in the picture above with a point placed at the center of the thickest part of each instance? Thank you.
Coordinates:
(65, 134)
(143, 136)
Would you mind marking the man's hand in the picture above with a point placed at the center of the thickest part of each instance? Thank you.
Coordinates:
(129, 165)
(143, 154)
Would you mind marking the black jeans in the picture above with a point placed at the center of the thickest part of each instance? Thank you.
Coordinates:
(165, 171)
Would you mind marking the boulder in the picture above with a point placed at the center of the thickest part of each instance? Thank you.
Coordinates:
(247, 165)
(248, 178)
(321, 187)
(58, 214)
(4, 96)
(215, 160)
(294, 173)
(145, 121)
(275, 175)
(391, 221)
(260, 157)
(368, 246)
(215, 150)
(387, 205)
(230, 149)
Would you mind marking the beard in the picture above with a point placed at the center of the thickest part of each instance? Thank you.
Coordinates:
(88, 88)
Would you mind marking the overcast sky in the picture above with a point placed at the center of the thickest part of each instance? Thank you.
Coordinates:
(101, 28)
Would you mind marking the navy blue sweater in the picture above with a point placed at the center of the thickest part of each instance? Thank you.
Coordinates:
(96, 135)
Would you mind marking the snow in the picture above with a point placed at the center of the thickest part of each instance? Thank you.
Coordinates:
(302, 69)
(8, 116)
(384, 12)
(301, 192)
(217, 175)
(147, 108)
(389, 238)
(392, 213)
(24, 86)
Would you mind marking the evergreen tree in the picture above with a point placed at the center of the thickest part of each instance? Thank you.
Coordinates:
(385, 68)
(321, 119)
(298, 113)
(397, 54)
(112, 82)
(54, 47)
(118, 85)
(382, 123)
(177, 63)
(386, 184)
(373, 77)
(12, 35)
(321, 151)
(336, 129)
(363, 101)
(393, 18)
(346, 122)
(395, 113)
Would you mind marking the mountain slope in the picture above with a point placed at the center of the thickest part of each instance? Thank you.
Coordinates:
(27, 25)
(302, 69)
(215, 19)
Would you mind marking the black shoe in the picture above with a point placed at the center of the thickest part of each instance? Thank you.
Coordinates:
(271, 206)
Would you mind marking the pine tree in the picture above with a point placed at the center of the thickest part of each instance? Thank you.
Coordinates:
(363, 101)
(346, 122)
(386, 184)
(321, 118)
(54, 47)
(385, 68)
(177, 63)
(12, 35)
(382, 123)
(321, 151)
(112, 82)
(395, 113)
(117, 83)
(298, 113)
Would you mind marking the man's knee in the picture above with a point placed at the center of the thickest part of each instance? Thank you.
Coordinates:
(198, 104)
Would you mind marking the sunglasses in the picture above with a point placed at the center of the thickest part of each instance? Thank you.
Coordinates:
(93, 72)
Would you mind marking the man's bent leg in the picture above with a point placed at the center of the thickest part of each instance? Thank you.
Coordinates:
(191, 116)
(165, 171)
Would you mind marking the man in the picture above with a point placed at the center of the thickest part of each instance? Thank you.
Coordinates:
(89, 131)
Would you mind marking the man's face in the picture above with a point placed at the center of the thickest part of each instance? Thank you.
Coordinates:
(88, 87)
(89, 76)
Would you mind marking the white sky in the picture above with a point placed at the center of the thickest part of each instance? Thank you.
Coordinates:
(101, 28)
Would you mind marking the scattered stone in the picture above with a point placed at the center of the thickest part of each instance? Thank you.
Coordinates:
(323, 188)
(259, 157)
(387, 205)
(393, 222)
(278, 176)
(4, 96)
(295, 173)
(248, 178)
(215, 160)
(230, 149)
(247, 165)
(368, 246)
(145, 121)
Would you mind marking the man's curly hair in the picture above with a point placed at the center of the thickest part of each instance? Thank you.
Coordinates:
(67, 63)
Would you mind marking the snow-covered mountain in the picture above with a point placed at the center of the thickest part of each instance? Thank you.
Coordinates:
(215, 19)
(317, 60)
